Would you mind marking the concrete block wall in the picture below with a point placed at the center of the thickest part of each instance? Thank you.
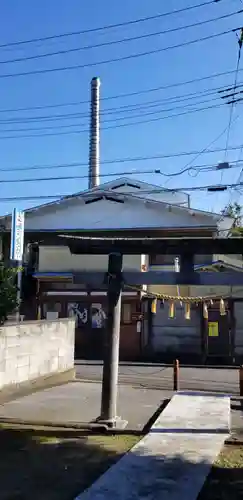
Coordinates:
(34, 349)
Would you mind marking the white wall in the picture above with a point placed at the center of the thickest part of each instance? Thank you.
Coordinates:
(104, 214)
(34, 349)
(60, 259)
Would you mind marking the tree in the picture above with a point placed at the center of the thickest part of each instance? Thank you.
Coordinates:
(234, 210)
(8, 292)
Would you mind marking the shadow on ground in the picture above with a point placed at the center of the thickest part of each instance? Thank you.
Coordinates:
(48, 465)
(225, 480)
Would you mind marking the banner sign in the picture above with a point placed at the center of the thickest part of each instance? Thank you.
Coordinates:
(213, 329)
(17, 235)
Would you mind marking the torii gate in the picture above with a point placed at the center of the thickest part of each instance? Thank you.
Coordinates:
(115, 279)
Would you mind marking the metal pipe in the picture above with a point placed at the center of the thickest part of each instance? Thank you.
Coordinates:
(176, 375)
(94, 145)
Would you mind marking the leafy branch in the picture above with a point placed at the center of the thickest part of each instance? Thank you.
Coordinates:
(8, 291)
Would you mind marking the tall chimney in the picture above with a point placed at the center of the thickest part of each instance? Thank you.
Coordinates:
(94, 145)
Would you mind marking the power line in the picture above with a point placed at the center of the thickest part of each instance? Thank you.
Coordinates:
(111, 111)
(120, 41)
(129, 108)
(117, 59)
(233, 101)
(121, 160)
(209, 187)
(120, 125)
(116, 119)
(107, 27)
(204, 150)
(131, 94)
(198, 169)
(232, 104)
(76, 177)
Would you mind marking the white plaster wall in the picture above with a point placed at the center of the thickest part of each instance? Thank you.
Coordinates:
(60, 259)
(104, 214)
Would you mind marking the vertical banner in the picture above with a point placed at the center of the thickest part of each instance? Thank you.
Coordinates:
(17, 236)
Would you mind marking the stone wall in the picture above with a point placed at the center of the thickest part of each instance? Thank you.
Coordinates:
(35, 349)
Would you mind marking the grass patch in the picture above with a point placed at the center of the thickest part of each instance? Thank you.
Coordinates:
(48, 465)
(226, 478)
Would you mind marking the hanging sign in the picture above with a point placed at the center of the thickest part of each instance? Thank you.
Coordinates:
(213, 329)
(17, 235)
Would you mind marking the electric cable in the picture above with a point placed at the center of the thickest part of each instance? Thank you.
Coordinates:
(130, 94)
(234, 89)
(115, 119)
(209, 144)
(121, 109)
(128, 108)
(114, 161)
(198, 169)
(116, 59)
(120, 41)
(113, 126)
(73, 116)
(135, 194)
(109, 26)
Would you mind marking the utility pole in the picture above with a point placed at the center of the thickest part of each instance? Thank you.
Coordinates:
(232, 95)
(108, 414)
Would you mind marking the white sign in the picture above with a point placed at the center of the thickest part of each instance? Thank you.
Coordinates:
(17, 235)
(177, 264)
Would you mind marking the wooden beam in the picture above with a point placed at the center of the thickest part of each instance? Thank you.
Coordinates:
(137, 243)
(163, 278)
(156, 246)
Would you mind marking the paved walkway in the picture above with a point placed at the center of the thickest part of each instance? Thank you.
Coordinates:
(174, 459)
(78, 403)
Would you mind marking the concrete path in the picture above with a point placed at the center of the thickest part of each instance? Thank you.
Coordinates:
(78, 403)
(174, 459)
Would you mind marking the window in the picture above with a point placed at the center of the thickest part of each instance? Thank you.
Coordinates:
(160, 260)
(126, 313)
(52, 310)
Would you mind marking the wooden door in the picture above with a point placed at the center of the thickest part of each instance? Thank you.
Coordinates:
(98, 319)
(79, 310)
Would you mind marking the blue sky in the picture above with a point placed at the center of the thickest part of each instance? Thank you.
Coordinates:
(27, 19)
